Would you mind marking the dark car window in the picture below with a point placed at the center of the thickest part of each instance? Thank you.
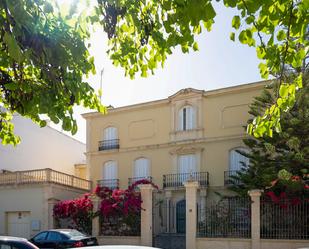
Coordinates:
(64, 237)
(40, 236)
(54, 236)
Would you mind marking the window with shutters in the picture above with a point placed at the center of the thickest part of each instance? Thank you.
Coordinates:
(141, 169)
(187, 164)
(237, 160)
(110, 174)
(187, 118)
(110, 139)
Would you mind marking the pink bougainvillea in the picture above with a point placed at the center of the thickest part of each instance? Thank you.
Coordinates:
(288, 189)
(114, 203)
(79, 211)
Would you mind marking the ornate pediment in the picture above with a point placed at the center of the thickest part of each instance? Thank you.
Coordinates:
(185, 93)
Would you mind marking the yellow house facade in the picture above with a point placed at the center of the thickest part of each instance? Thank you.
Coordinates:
(191, 134)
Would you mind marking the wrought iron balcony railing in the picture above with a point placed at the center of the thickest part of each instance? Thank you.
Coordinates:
(228, 178)
(177, 180)
(109, 144)
(109, 183)
(135, 179)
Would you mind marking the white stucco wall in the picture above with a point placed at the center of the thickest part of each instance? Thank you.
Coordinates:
(41, 148)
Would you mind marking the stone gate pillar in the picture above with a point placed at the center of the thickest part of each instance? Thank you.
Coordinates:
(146, 214)
(255, 218)
(96, 220)
(191, 213)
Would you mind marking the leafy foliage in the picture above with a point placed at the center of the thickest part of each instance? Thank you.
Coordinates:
(143, 33)
(42, 63)
(44, 54)
(287, 151)
(124, 204)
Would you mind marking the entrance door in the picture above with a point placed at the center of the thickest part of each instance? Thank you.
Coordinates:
(181, 216)
(19, 224)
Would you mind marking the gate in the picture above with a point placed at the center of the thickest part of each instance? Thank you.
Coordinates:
(168, 223)
(181, 216)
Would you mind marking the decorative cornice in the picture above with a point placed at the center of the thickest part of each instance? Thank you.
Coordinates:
(184, 93)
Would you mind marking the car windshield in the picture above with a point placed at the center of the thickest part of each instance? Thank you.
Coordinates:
(73, 233)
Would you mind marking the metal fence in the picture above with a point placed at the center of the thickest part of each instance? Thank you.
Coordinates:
(229, 218)
(177, 180)
(111, 144)
(229, 178)
(121, 226)
(109, 183)
(286, 219)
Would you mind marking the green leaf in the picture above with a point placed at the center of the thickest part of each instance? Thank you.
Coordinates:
(284, 90)
(195, 46)
(232, 36)
(11, 86)
(236, 22)
(281, 35)
(14, 49)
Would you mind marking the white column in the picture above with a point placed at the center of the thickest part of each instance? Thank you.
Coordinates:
(255, 218)
(191, 190)
(96, 220)
(146, 214)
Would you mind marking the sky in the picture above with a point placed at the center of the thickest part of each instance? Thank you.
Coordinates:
(219, 63)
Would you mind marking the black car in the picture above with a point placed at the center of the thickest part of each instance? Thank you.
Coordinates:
(62, 238)
(7, 242)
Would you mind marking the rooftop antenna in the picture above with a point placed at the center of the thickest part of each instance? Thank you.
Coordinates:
(102, 71)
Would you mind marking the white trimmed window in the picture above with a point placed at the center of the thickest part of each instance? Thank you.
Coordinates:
(110, 174)
(110, 133)
(186, 118)
(187, 163)
(238, 161)
(141, 168)
(110, 139)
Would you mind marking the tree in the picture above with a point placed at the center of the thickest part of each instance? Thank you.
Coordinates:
(280, 162)
(44, 54)
(143, 33)
(43, 59)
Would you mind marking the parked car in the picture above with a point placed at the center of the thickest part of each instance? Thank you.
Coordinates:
(8, 242)
(63, 238)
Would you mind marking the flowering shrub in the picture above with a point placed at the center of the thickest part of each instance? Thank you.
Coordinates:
(288, 189)
(115, 204)
(79, 211)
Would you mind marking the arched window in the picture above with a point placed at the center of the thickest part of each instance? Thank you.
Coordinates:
(186, 118)
(110, 139)
(237, 160)
(141, 168)
(110, 174)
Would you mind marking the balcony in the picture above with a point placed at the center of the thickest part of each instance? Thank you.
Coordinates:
(177, 180)
(109, 183)
(109, 144)
(41, 176)
(228, 178)
(135, 179)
